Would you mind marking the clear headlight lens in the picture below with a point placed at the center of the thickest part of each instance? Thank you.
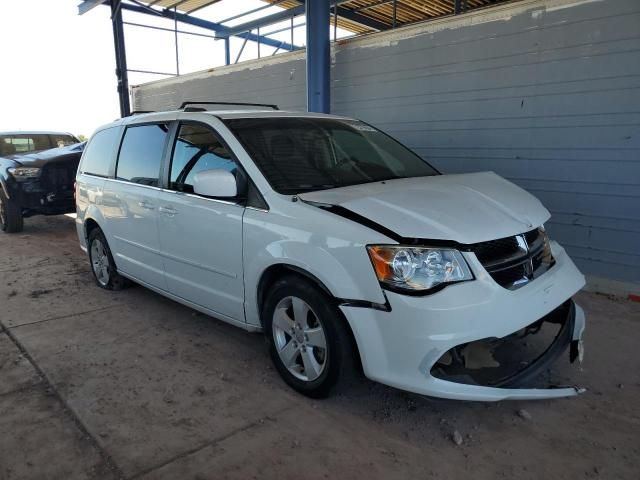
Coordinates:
(417, 269)
(22, 173)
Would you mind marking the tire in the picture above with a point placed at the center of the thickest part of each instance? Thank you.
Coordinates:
(102, 265)
(11, 220)
(297, 353)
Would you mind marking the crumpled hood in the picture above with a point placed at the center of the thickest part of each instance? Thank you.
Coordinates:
(466, 208)
(52, 155)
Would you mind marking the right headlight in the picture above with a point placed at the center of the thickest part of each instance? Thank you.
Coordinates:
(417, 269)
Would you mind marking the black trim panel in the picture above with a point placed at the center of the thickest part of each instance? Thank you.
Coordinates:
(350, 215)
(345, 302)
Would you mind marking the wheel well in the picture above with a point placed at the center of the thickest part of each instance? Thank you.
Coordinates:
(275, 272)
(89, 226)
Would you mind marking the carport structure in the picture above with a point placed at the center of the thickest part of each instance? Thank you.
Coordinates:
(542, 92)
(357, 16)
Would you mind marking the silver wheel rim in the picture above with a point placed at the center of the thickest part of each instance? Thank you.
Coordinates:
(100, 262)
(299, 338)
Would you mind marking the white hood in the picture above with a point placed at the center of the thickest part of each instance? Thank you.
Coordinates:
(467, 208)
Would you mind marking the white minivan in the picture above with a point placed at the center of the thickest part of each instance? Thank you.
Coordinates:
(343, 246)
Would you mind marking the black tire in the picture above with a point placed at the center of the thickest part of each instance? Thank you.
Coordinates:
(113, 280)
(11, 220)
(339, 358)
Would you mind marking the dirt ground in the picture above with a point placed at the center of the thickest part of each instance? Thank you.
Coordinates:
(103, 385)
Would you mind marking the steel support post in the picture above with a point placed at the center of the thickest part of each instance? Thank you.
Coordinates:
(121, 58)
(318, 56)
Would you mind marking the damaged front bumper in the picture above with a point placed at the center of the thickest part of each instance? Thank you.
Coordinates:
(424, 345)
(35, 198)
(512, 361)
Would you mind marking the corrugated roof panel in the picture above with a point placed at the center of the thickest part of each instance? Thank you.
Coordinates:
(407, 11)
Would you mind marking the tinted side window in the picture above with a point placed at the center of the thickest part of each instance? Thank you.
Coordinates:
(197, 148)
(141, 154)
(99, 153)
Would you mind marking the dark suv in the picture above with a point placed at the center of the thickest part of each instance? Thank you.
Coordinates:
(37, 171)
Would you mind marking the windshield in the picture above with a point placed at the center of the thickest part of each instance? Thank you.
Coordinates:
(33, 142)
(305, 154)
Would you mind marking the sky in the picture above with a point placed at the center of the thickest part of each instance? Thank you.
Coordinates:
(59, 67)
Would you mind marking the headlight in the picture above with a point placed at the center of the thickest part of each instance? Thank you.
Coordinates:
(417, 269)
(22, 173)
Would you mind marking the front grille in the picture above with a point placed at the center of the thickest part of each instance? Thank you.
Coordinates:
(59, 176)
(515, 261)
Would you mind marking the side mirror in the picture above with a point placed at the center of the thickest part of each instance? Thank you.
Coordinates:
(215, 183)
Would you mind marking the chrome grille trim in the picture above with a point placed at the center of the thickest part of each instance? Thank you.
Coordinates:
(515, 261)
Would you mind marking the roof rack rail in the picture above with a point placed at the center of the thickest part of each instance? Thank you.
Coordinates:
(192, 109)
(140, 112)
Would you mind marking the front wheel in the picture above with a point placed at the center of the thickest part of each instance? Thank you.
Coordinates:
(11, 220)
(309, 340)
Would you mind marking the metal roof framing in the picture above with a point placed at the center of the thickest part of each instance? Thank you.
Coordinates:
(358, 16)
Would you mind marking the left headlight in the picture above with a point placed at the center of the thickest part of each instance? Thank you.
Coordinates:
(417, 269)
(22, 173)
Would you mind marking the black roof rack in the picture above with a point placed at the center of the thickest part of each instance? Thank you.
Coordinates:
(140, 112)
(195, 109)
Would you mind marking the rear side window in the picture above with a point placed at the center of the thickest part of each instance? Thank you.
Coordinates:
(99, 153)
(141, 154)
(197, 148)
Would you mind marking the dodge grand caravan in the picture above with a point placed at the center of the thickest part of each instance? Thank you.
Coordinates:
(344, 247)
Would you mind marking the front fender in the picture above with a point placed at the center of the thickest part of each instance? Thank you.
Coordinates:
(5, 164)
(3, 185)
(337, 260)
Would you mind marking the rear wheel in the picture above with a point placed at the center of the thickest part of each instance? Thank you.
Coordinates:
(308, 337)
(102, 265)
(11, 220)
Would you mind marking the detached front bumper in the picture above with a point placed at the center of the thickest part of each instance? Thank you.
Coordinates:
(400, 348)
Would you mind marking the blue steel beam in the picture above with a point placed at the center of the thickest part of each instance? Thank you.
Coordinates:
(227, 51)
(318, 58)
(292, 12)
(263, 21)
(87, 5)
(362, 19)
(206, 24)
(356, 17)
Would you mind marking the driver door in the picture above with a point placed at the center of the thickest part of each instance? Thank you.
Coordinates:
(200, 237)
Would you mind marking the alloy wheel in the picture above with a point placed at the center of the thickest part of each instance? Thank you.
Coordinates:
(299, 339)
(100, 262)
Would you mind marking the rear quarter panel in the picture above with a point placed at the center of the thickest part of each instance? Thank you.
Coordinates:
(88, 204)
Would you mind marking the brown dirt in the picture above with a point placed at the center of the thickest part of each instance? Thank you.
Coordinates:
(97, 384)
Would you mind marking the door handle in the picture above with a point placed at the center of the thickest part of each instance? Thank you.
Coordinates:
(168, 210)
(146, 205)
